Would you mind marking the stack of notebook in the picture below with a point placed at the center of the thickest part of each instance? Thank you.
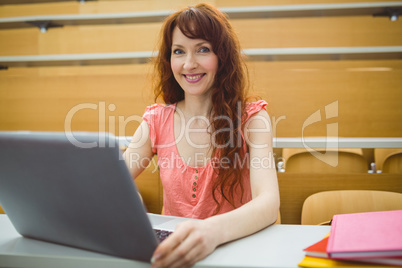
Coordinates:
(370, 239)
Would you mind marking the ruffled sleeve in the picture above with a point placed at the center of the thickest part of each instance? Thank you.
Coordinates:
(150, 116)
(253, 108)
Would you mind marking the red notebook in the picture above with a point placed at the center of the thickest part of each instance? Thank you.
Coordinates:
(366, 235)
(319, 250)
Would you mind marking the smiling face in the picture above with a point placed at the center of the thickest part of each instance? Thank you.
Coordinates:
(193, 63)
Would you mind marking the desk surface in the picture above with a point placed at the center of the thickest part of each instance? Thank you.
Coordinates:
(275, 246)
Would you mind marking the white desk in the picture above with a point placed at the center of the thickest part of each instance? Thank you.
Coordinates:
(275, 246)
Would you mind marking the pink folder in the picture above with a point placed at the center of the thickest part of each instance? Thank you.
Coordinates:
(369, 234)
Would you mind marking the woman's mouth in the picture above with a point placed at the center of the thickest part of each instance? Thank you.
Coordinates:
(193, 78)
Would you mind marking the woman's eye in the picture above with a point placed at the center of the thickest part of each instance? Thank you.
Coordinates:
(177, 51)
(204, 50)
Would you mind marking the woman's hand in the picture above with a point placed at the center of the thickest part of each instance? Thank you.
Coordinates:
(191, 241)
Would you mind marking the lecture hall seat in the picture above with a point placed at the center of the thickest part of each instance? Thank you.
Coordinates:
(393, 164)
(343, 161)
(319, 208)
(388, 160)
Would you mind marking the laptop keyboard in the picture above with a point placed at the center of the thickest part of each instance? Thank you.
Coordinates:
(162, 234)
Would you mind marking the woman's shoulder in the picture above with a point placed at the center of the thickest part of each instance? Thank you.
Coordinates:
(158, 108)
(256, 106)
(253, 108)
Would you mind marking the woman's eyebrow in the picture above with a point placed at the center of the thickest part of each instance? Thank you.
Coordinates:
(198, 44)
(202, 43)
(177, 45)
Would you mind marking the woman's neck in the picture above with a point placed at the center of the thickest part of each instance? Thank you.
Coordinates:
(195, 106)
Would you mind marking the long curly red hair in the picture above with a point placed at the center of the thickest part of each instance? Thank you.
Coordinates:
(206, 22)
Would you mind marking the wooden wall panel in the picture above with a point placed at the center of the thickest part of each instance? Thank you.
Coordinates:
(137, 5)
(369, 95)
(80, 39)
(93, 7)
(253, 33)
(39, 99)
(100, 39)
(228, 3)
(116, 6)
(60, 8)
(19, 42)
(318, 32)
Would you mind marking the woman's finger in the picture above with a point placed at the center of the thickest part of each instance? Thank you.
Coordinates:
(165, 248)
(181, 253)
(193, 248)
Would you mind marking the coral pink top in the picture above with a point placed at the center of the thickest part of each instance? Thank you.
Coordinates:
(187, 190)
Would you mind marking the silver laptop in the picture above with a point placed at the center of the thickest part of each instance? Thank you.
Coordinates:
(73, 190)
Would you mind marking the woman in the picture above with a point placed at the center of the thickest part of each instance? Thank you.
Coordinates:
(214, 148)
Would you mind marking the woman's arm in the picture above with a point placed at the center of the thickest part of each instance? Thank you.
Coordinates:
(194, 240)
(139, 152)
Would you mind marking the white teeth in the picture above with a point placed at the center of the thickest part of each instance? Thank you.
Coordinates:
(193, 77)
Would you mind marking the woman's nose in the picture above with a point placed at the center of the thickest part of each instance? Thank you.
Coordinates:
(190, 62)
